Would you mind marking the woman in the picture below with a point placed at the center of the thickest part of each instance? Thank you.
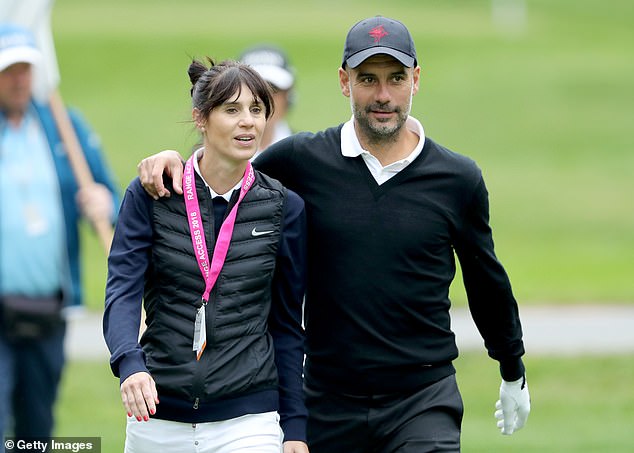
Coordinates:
(221, 272)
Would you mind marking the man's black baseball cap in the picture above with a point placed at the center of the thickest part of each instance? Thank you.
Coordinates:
(379, 35)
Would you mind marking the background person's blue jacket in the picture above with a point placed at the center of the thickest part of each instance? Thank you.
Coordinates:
(91, 147)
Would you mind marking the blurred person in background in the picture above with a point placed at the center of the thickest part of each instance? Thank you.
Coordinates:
(273, 65)
(40, 209)
(219, 366)
(388, 209)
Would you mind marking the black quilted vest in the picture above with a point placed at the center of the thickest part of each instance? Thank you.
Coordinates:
(238, 358)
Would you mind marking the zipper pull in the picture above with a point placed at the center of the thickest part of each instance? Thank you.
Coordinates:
(196, 401)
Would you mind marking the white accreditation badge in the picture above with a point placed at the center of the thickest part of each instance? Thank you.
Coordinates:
(200, 332)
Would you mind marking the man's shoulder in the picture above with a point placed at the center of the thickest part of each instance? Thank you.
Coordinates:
(451, 159)
(303, 138)
(331, 134)
(294, 152)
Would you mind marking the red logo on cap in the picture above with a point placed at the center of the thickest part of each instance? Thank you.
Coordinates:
(377, 33)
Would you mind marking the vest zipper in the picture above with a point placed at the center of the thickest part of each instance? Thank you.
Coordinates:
(210, 311)
(199, 375)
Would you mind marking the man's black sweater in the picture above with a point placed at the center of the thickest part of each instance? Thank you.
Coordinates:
(381, 261)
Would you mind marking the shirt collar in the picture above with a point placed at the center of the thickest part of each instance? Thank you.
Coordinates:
(350, 146)
(227, 195)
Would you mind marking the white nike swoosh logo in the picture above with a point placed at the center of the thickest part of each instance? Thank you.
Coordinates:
(254, 232)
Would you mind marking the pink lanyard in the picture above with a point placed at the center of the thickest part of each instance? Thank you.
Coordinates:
(210, 273)
(196, 226)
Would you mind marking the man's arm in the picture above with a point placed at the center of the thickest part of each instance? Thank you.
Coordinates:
(494, 309)
(273, 162)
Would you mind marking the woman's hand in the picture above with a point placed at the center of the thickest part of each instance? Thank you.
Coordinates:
(295, 446)
(139, 396)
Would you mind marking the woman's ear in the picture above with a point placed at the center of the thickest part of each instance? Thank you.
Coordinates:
(198, 119)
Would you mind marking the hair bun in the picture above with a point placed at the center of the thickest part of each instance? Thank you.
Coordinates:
(195, 71)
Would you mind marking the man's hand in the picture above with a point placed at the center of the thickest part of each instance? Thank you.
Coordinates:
(95, 203)
(139, 396)
(513, 406)
(295, 446)
(152, 168)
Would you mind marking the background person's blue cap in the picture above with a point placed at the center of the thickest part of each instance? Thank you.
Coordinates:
(17, 45)
(271, 63)
(379, 35)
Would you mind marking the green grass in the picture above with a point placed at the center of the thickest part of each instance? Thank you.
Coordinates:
(581, 405)
(577, 405)
(89, 405)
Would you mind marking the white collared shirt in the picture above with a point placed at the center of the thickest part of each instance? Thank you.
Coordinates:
(226, 195)
(350, 147)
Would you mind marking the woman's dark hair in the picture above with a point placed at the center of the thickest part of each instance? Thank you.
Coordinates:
(215, 85)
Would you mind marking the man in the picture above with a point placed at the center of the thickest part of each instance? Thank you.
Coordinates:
(40, 207)
(387, 207)
(272, 64)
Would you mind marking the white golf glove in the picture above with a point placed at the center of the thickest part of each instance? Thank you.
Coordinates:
(513, 406)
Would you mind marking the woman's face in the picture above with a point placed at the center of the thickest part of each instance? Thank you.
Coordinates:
(233, 130)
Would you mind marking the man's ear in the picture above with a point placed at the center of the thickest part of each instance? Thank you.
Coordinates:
(416, 78)
(344, 82)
